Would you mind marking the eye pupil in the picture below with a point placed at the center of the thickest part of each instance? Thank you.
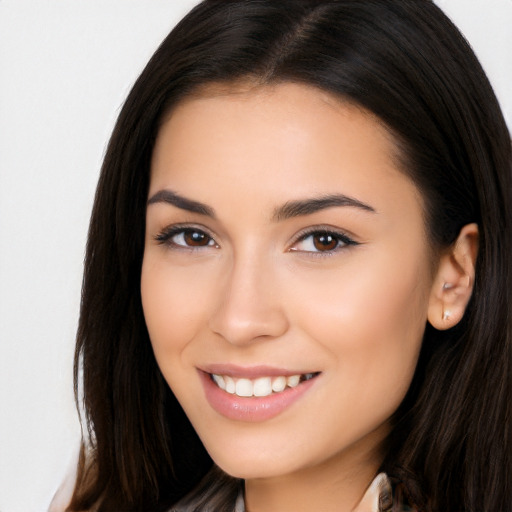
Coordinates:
(325, 242)
(196, 238)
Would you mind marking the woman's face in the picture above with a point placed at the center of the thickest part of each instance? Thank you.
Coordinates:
(286, 277)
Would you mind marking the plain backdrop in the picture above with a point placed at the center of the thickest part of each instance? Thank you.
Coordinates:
(65, 68)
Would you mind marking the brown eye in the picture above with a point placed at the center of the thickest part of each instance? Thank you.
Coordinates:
(185, 237)
(325, 242)
(195, 238)
(320, 241)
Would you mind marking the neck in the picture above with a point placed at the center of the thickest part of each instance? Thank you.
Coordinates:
(336, 485)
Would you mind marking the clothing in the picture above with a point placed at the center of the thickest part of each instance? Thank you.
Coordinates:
(378, 497)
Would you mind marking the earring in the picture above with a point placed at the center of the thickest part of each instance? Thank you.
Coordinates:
(447, 286)
(447, 314)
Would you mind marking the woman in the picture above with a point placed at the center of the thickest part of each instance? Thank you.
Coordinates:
(297, 285)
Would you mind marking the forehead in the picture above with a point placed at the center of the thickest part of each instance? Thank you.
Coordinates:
(273, 141)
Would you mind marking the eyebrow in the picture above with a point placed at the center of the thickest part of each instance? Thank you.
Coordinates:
(288, 210)
(170, 197)
(308, 206)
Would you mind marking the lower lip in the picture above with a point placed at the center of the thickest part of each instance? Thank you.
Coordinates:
(251, 409)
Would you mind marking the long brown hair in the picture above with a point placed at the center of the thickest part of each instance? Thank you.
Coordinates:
(404, 61)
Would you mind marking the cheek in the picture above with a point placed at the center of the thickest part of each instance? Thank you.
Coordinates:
(175, 303)
(371, 321)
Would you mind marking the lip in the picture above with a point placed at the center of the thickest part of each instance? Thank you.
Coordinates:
(249, 372)
(251, 409)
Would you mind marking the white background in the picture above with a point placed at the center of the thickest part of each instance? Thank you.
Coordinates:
(65, 67)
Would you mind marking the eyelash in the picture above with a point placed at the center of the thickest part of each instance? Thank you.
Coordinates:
(342, 240)
(165, 237)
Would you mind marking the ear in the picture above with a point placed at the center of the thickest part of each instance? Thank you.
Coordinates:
(453, 283)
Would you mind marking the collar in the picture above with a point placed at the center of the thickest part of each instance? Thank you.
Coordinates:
(377, 498)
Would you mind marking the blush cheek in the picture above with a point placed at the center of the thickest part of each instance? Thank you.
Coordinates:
(173, 307)
(371, 322)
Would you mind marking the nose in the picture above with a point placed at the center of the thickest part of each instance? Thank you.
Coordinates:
(249, 306)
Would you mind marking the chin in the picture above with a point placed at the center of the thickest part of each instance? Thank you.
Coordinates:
(250, 470)
(246, 464)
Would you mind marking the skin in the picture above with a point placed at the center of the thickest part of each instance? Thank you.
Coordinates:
(259, 293)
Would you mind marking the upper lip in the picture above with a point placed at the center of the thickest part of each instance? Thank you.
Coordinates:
(250, 372)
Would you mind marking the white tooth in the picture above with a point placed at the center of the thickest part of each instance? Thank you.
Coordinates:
(278, 384)
(262, 386)
(230, 385)
(244, 387)
(219, 380)
(293, 381)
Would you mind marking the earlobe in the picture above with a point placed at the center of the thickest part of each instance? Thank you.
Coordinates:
(453, 284)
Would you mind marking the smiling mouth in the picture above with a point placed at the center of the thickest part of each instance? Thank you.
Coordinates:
(261, 386)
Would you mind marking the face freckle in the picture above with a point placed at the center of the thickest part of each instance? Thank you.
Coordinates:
(334, 291)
